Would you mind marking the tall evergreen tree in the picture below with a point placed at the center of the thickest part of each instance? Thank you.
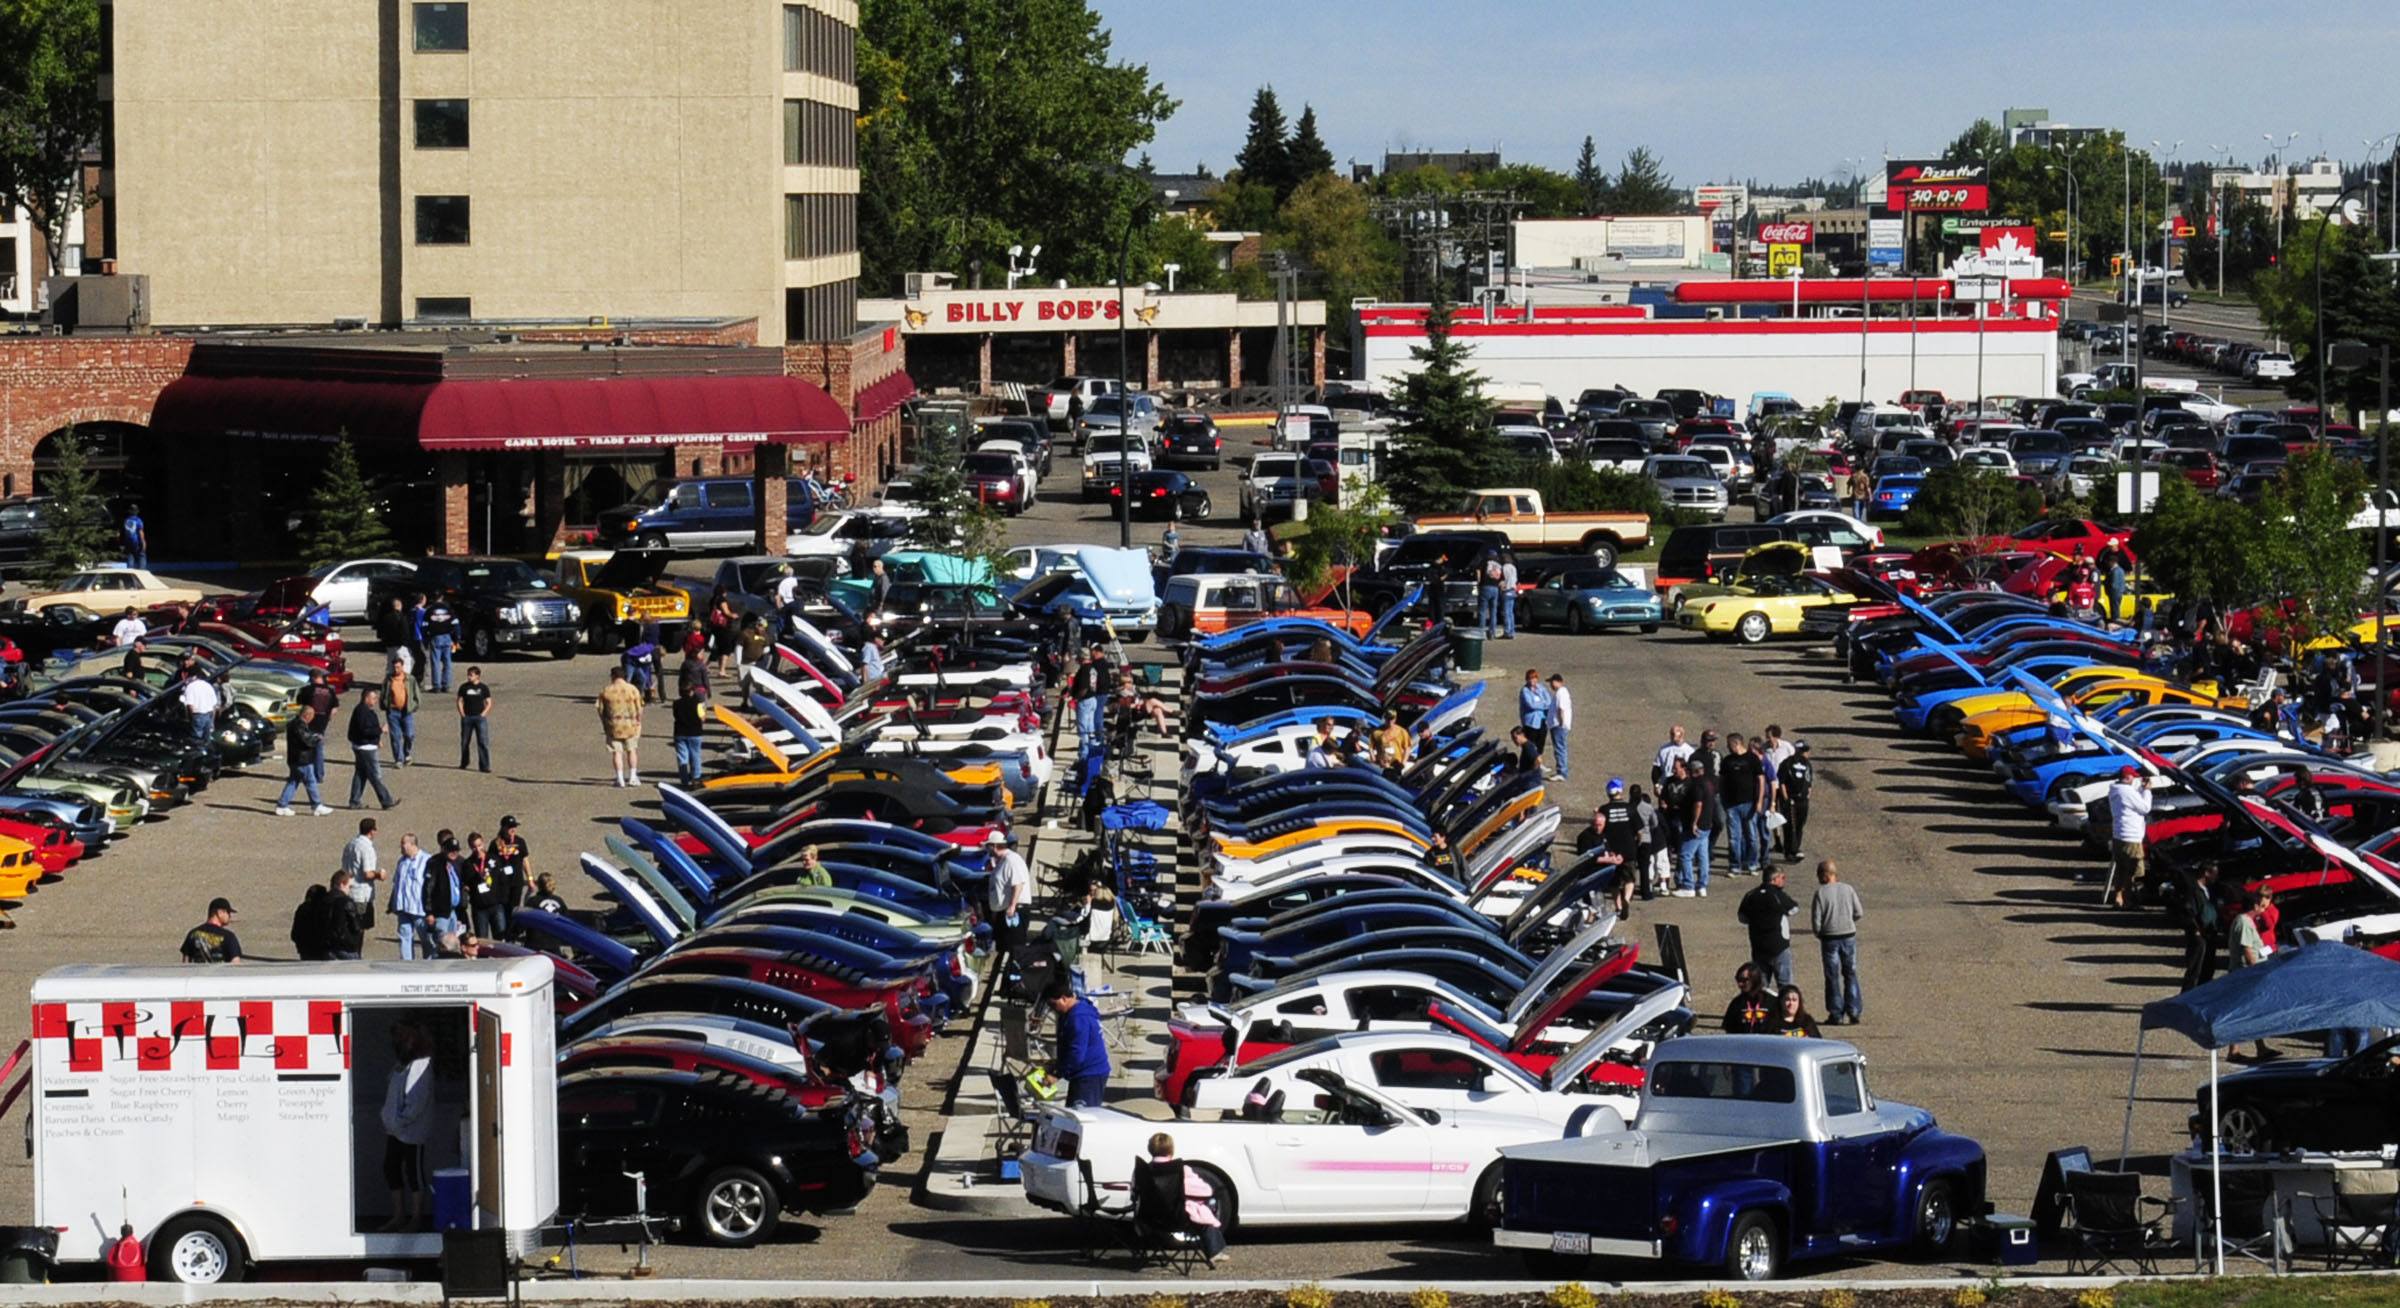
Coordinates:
(1306, 156)
(1449, 447)
(1266, 152)
(77, 534)
(343, 521)
(1591, 179)
(1643, 186)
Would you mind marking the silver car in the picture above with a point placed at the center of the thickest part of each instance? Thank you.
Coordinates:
(1685, 482)
(1105, 415)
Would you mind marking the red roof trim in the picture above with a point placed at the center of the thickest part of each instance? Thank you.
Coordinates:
(880, 398)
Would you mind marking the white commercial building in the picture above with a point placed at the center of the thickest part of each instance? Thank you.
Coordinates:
(1809, 340)
(1671, 241)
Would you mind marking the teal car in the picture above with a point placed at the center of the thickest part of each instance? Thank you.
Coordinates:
(1590, 599)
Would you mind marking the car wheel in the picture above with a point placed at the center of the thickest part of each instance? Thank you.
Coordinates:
(651, 540)
(197, 1249)
(1604, 553)
(601, 637)
(562, 651)
(735, 1208)
(1752, 629)
(1221, 1199)
(2243, 1129)
(479, 643)
(1649, 628)
(1753, 1252)
(1205, 511)
(1483, 1214)
(1576, 625)
(1937, 1218)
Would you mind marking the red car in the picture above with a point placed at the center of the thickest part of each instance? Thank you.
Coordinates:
(54, 847)
(294, 647)
(897, 999)
(2199, 467)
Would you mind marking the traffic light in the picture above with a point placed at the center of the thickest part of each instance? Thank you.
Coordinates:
(2116, 265)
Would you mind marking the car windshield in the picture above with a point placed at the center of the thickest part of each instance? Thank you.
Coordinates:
(1645, 409)
(1898, 466)
(1437, 551)
(19, 517)
(499, 575)
(651, 495)
(1614, 450)
(1109, 444)
(1682, 468)
(990, 464)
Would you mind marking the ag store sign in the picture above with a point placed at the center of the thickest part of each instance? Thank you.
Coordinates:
(1072, 309)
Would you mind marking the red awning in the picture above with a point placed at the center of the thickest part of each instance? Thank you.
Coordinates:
(880, 398)
(613, 413)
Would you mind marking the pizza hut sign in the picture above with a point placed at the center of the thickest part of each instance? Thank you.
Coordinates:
(1786, 233)
(1930, 186)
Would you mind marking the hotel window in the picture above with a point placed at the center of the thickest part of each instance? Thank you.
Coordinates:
(444, 308)
(819, 135)
(818, 225)
(441, 27)
(442, 220)
(441, 124)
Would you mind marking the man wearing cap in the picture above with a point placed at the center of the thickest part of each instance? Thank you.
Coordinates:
(512, 873)
(1794, 777)
(213, 941)
(1009, 886)
(2128, 825)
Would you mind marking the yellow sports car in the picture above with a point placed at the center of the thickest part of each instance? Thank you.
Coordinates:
(1976, 734)
(1776, 558)
(1760, 607)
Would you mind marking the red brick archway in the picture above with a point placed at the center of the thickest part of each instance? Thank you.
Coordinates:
(48, 384)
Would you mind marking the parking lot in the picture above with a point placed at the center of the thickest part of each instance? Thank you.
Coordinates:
(1999, 994)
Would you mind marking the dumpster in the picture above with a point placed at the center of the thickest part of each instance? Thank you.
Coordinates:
(1466, 648)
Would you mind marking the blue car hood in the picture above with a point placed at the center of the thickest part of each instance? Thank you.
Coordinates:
(1120, 577)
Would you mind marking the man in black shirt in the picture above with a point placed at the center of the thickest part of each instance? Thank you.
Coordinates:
(1742, 788)
(475, 720)
(213, 941)
(512, 871)
(691, 727)
(1623, 831)
(1767, 911)
(1794, 778)
(1753, 1010)
(133, 659)
(366, 750)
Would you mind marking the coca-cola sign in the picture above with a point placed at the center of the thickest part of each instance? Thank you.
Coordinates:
(1787, 233)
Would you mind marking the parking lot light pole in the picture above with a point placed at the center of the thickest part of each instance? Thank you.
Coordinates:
(1124, 396)
(2325, 400)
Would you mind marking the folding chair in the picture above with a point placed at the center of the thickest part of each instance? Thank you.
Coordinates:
(2253, 1220)
(1164, 1234)
(2104, 1211)
(2354, 1217)
(1099, 1221)
(1147, 935)
(1012, 1127)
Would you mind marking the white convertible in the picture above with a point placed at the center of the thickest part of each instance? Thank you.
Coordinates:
(1346, 1154)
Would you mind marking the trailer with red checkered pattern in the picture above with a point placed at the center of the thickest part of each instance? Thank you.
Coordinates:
(236, 1115)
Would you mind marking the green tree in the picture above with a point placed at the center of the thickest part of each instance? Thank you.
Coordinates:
(1266, 155)
(1973, 502)
(1176, 240)
(1306, 157)
(343, 521)
(1242, 205)
(1591, 180)
(1449, 447)
(2361, 304)
(1982, 142)
(954, 521)
(1345, 253)
(987, 123)
(77, 534)
(2195, 545)
(1338, 539)
(1548, 193)
(1577, 487)
(49, 110)
(2309, 553)
(1642, 185)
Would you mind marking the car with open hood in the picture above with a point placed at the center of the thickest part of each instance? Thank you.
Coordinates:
(620, 589)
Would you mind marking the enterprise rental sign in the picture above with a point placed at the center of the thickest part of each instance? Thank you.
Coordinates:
(1930, 186)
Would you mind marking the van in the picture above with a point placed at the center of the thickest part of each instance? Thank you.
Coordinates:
(696, 513)
(1694, 554)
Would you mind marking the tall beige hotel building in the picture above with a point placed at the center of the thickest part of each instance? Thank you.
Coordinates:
(417, 161)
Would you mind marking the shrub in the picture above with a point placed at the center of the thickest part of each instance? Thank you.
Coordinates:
(1311, 1295)
(1972, 502)
(1969, 1297)
(2096, 1297)
(1720, 1299)
(1837, 1299)
(1574, 1294)
(1163, 1301)
(1576, 487)
(1429, 1298)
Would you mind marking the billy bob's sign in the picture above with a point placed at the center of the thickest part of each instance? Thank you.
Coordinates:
(1071, 309)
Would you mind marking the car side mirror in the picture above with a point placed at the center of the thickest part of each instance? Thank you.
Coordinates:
(1431, 1117)
(1322, 1103)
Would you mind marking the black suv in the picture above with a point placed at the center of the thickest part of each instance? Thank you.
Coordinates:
(501, 604)
(1449, 564)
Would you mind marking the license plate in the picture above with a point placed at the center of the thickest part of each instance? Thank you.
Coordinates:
(1574, 1244)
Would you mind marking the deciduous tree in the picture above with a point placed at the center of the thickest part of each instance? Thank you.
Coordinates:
(49, 110)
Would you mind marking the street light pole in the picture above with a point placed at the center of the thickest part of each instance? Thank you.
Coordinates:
(2324, 399)
(1124, 395)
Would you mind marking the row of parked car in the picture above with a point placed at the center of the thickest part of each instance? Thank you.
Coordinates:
(2247, 360)
(789, 938)
(1411, 1014)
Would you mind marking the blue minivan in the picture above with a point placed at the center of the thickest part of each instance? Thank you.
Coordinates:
(696, 513)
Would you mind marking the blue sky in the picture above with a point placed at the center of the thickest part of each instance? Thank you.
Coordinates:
(1774, 91)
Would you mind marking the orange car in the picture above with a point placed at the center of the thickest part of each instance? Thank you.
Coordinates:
(1199, 604)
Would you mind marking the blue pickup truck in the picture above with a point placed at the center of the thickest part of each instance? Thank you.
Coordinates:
(1746, 1152)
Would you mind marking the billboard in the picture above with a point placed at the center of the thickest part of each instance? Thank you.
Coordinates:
(1883, 242)
(1930, 186)
(1638, 239)
(1787, 233)
(1783, 259)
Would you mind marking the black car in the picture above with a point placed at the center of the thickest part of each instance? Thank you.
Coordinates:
(501, 604)
(1169, 495)
(1030, 435)
(24, 520)
(2318, 1104)
(1447, 564)
(1191, 441)
(725, 1156)
(949, 608)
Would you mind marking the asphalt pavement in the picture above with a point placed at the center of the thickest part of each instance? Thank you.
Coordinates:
(1999, 993)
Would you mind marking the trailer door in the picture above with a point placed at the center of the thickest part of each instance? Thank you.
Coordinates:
(487, 1117)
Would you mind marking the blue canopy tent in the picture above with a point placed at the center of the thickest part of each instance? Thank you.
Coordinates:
(2317, 987)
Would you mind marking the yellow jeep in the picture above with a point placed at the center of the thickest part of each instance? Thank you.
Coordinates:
(622, 588)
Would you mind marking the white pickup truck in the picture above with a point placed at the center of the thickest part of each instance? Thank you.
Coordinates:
(1275, 485)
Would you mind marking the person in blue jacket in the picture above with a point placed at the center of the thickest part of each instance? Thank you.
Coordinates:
(1082, 1060)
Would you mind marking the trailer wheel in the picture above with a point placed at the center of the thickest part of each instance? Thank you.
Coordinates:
(197, 1249)
(736, 1208)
